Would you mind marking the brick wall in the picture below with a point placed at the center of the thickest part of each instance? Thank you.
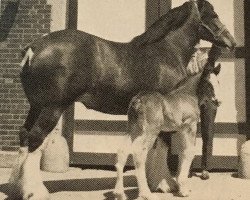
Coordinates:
(21, 22)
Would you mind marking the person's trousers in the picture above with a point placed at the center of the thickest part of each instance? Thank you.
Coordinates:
(207, 114)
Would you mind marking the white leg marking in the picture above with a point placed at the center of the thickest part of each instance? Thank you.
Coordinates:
(122, 156)
(140, 149)
(186, 154)
(26, 180)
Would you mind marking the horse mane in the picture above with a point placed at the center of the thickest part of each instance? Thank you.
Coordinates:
(171, 21)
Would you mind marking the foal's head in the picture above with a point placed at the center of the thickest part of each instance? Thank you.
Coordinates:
(209, 87)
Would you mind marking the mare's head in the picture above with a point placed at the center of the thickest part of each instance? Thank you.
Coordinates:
(209, 87)
(211, 28)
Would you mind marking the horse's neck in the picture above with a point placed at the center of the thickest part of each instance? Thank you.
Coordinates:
(182, 43)
(167, 23)
(184, 39)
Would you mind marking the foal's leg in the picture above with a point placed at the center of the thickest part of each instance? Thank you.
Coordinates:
(187, 136)
(140, 148)
(159, 176)
(29, 183)
(122, 156)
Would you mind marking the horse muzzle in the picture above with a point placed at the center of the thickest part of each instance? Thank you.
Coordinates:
(229, 41)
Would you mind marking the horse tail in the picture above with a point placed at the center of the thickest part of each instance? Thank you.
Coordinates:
(28, 55)
(25, 74)
(28, 52)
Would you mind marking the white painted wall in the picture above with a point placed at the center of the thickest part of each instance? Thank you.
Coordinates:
(232, 82)
(116, 20)
(58, 14)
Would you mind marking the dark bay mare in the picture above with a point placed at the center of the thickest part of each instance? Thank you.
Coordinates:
(70, 65)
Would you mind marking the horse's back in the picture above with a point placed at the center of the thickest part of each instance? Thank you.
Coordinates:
(56, 60)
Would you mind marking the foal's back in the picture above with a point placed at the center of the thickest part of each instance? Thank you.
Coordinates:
(180, 108)
(164, 112)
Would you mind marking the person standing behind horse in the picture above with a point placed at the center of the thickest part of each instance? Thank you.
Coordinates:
(208, 112)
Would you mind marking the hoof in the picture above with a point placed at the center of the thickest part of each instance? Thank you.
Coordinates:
(149, 196)
(167, 188)
(119, 195)
(31, 192)
(183, 192)
(39, 193)
(205, 175)
(163, 187)
(26, 182)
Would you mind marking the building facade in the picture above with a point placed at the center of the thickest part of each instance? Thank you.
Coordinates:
(21, 22)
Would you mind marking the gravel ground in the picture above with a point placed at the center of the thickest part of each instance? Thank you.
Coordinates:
(89, 184)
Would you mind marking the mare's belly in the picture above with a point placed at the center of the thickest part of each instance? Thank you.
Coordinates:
(106, 102)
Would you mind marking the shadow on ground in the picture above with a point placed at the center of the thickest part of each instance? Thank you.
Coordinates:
(91, 184)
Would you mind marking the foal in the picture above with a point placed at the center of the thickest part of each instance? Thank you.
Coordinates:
(150, 112)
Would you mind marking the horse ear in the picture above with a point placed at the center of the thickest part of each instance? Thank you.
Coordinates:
(200, 4)
(216, 70)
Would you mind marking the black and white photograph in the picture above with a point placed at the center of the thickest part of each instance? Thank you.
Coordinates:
(124, 99)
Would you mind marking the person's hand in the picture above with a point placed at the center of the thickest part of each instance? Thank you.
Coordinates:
(193, 67)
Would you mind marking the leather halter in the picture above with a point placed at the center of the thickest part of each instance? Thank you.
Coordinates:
(216, 34)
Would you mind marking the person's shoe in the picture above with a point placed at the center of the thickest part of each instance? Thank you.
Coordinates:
(204, 175)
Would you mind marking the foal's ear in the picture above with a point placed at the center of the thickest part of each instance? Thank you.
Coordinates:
(216, 70)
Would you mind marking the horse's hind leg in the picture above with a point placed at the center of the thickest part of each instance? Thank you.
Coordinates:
(23, 151)
(29, 183)
(29, 122)
(186, 136)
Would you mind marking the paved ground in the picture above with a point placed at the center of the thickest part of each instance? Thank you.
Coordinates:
(79, 184)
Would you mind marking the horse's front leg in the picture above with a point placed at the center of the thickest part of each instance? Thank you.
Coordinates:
(186, 137)
(26, 181)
